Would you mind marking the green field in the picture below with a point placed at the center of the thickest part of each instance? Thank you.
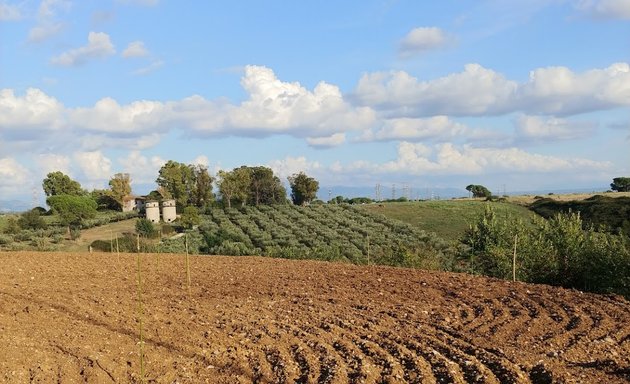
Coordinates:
(449, 219)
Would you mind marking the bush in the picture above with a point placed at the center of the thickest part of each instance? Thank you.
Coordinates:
(556, 251)
(32, 220)
(145, 228)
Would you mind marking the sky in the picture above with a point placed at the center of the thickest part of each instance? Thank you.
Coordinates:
(516, 95)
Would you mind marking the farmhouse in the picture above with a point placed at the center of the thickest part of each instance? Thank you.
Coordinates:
(151, 208)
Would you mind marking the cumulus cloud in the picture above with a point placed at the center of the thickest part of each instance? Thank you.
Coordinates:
(108, 116)
(414, 129)
(13, 176)
(475, 91)
(605, 9)
(481, 91)
(135, 49)
(34, 110)
(51, 162)
(273, 107)
(143, 169)
(422, 39)
(447, 159)
(535, 128)
(9, 12)
(99, 46)
(291, 165)
(94, 165)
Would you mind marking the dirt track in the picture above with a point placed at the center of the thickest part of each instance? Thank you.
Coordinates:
(73, 318)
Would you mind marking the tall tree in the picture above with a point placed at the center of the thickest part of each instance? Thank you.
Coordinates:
(234, 185)
(621, 184)
(120, 187)
(177, 180)
(58, 183)
(265, 187)
(303, 188)
(202, 189)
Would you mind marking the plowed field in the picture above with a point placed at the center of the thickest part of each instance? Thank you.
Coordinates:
(74, 318)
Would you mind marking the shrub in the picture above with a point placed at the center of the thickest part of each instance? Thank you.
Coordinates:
(145, 228)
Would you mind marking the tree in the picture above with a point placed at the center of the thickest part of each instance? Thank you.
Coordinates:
(177, 179)
(72, 209)
(234, 185)
(621, 184)
(265, 187)
(58, 183)
(303, 188)
(120, 187)
(202, 188)
(104, 199)
(478, 190)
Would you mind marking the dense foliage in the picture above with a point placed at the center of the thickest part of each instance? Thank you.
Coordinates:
(612, 213)
(303, 188)
(620, 184)
(58, 183)
(329, 232)
(557, 251)
(478, 190)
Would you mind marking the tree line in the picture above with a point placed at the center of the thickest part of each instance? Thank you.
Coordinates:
(189, 185)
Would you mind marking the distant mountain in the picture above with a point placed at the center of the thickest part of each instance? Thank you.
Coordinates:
(387, 192)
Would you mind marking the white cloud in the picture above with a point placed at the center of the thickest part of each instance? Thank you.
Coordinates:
(9, 12)
(291, 165)
(201, 160)
(274, 107)
(48, 8)
(149, 68)
(43, 32)
(605, 9)
(558, 90)
(422, 39)
(476, 91)
(553, 129)
(327, 141)
(417, 159)
(34, 110)
(481, 91)
(107, 116)
(14, 177)
(414, 129)
(143, 170)
(99, 46)
(94, 165)
(51, 162)
(135, 49)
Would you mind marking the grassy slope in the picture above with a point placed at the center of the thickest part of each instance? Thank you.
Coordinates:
(104, 232)
(449, 218)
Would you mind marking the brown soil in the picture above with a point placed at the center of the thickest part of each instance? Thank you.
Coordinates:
(74, 318)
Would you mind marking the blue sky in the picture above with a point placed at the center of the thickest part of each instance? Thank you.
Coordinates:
(514, 94)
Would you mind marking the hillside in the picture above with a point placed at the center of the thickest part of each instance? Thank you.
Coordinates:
(76, 318)
(449, 219)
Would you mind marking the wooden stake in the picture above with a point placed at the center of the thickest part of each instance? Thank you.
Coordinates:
(514, 259)
(140, 321)
(368, 250)
(117, 249)
(187, 263)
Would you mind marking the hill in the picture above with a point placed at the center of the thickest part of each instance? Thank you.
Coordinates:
(76, 318)
(448, 219)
